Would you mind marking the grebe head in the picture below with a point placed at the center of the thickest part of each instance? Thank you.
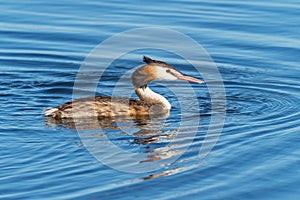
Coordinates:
(155, 69)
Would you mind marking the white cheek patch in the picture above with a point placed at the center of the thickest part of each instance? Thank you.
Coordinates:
(163, 74)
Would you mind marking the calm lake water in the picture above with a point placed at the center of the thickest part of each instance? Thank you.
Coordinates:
(256, 47)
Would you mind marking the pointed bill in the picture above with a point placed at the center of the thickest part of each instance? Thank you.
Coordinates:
(190, 79)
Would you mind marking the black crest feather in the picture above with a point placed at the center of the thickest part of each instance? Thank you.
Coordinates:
(149, 61)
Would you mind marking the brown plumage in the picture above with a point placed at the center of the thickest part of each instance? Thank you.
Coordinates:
(101, 106)
(150, 103)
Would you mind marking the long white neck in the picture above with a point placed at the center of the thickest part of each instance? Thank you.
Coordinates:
(147, 95)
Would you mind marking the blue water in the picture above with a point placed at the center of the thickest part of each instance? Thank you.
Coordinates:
(256, 47)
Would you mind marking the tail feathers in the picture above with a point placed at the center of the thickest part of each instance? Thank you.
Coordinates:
(51, 112)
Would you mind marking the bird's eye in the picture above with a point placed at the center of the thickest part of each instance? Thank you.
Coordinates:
(168, 71)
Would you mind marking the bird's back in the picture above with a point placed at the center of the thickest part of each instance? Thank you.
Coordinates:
(100, 106)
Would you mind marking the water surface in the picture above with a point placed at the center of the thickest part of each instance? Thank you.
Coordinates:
(255, 46)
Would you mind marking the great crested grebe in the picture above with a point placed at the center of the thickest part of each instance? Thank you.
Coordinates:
(108, 107)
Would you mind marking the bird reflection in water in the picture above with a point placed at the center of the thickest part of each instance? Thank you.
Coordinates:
(152, 136)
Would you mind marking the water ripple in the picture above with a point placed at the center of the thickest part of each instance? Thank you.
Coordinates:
(256, 47)
(258, 102)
